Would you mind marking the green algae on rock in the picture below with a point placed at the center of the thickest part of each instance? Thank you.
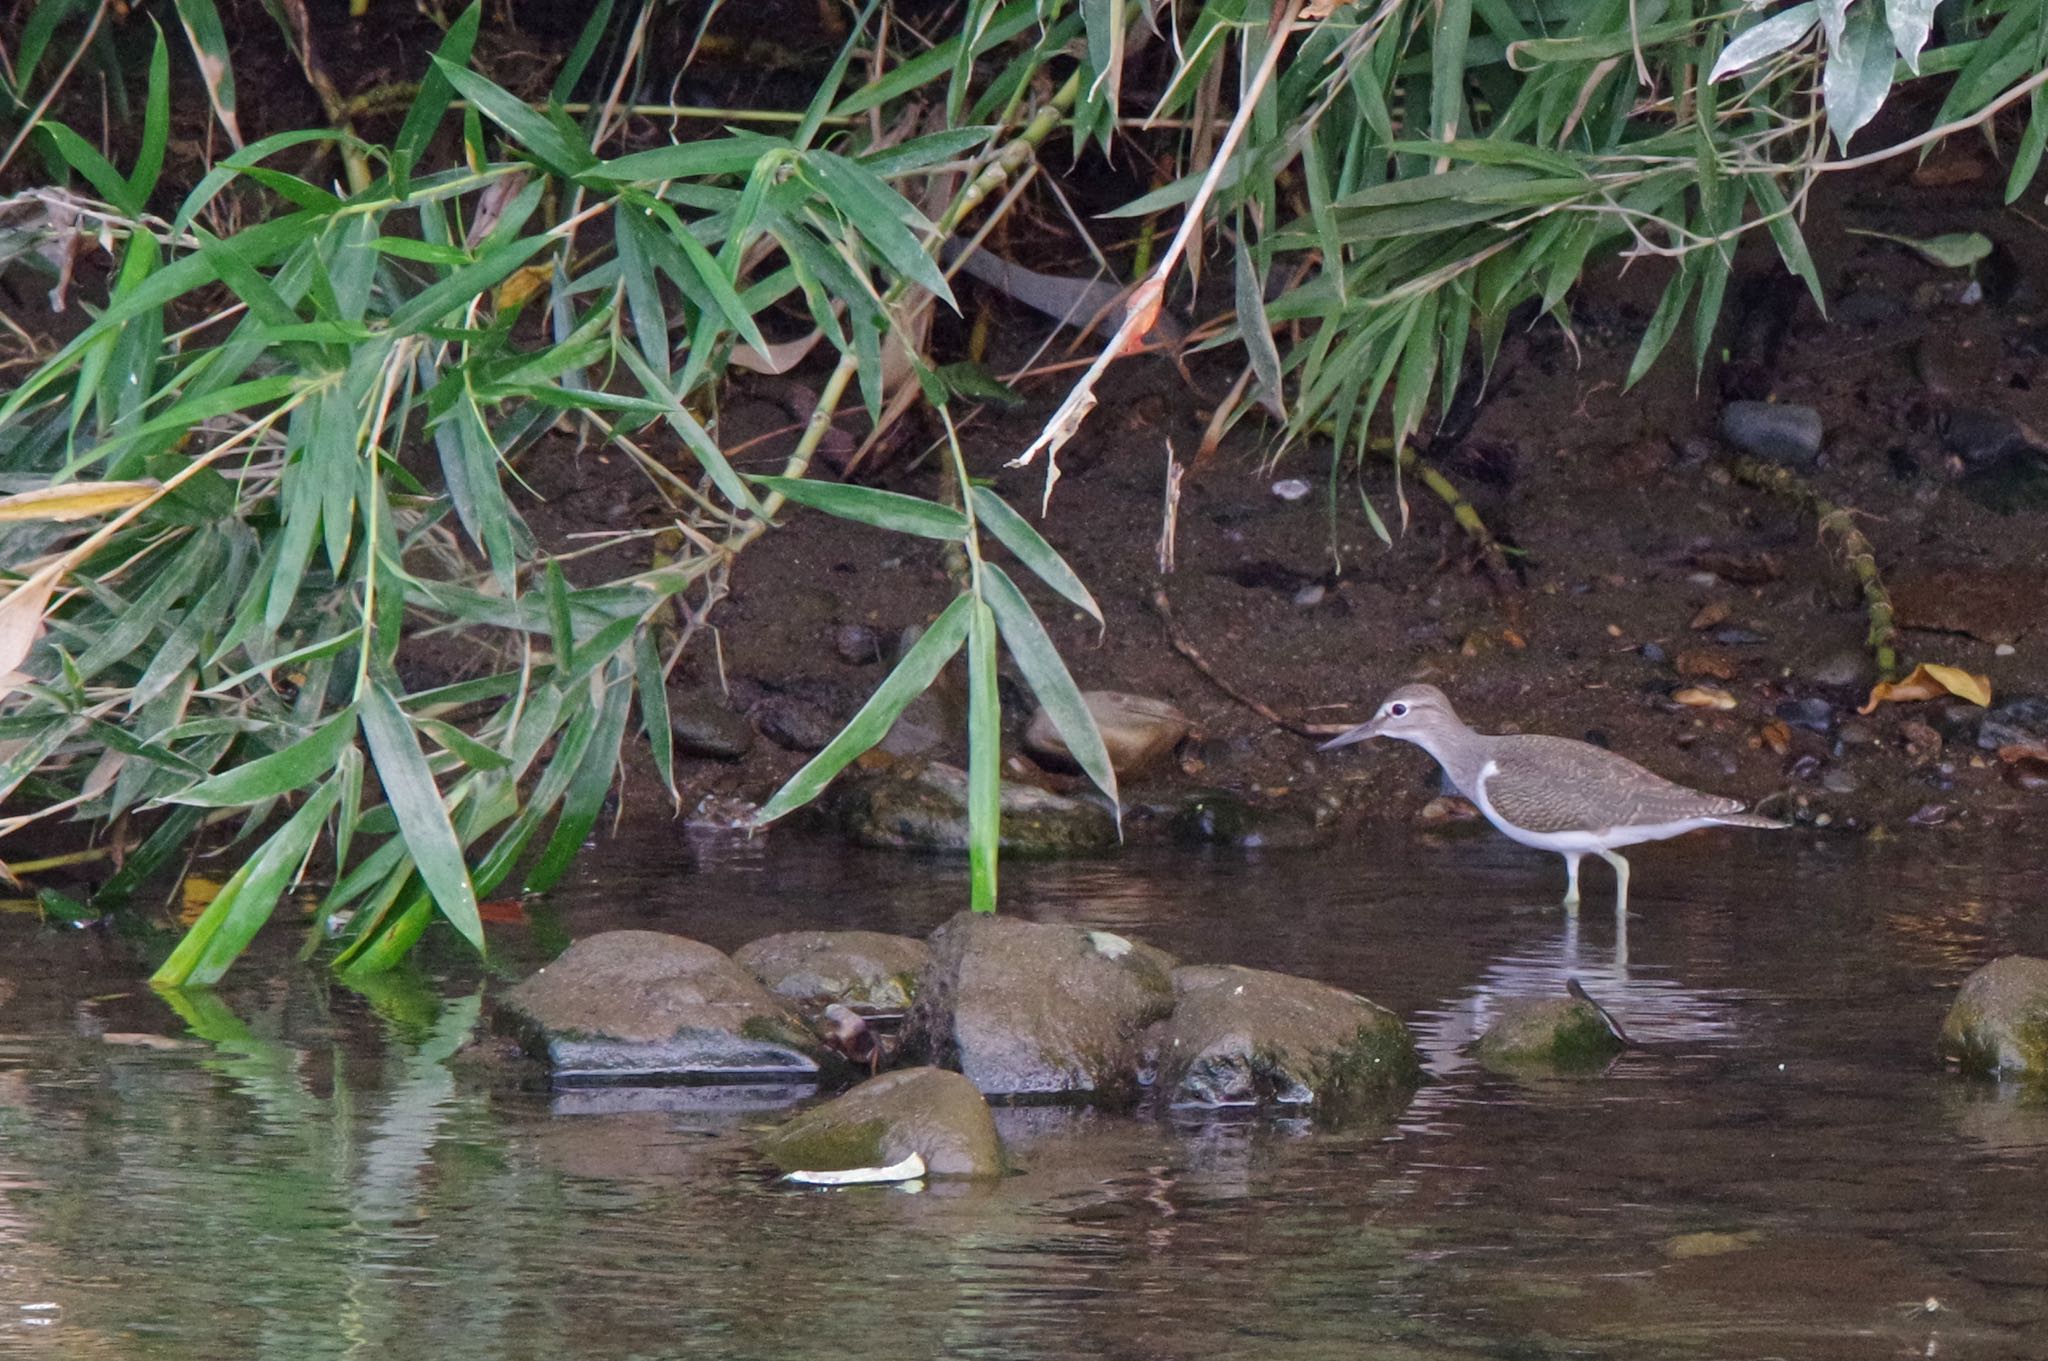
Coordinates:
(1998, 1026)
(1240, 1037)
(1563, 1035)
(927, 1111)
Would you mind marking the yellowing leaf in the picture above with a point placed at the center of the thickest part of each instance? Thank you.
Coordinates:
(1930, 681)
(198, 894)
(521, 284)
(21, 623)
(75, 500)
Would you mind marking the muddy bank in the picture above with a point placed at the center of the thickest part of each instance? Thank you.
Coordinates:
(1644, 567)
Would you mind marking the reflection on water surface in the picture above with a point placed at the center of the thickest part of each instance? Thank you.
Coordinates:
(1782, 1172)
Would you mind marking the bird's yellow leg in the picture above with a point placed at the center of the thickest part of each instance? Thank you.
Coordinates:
(1571, 881)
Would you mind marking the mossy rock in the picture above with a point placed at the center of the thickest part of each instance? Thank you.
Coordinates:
(927, 1111)
(1249, 1037)
(1998, 1026)
(1564, 1035)
(924, 808)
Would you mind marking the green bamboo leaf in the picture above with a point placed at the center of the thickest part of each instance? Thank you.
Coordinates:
(156, 125)
(652, 683)
(879, 213)
(474, 754)
(912, 676)
(246, 901)
(579, 55)
(1663, 322)
(1766, 39)
(558, 147)
(422, 817)
(1021, 537)
(266, 777)
(430, 105)
(984, 760)
(1858, 75)
(736, 153)
(1950, 250)
(2026, 158)
(1031, 647)
(584, 799)
(869, 506)
(694, 436)
(1909, 22)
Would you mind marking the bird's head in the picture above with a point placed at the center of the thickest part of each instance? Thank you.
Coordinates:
(1409, 710)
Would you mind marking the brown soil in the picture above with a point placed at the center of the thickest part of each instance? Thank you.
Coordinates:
(1626, 523)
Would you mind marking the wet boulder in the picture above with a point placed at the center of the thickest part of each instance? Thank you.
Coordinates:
(927, 1111)
(1244, 1037)
(1138, 732)
(1030, 1009)
(866, 969)
(924, 808)
(1556, 1034)
(1998, 1026)
(704, 726)
(1777, 432)
(642, 1006)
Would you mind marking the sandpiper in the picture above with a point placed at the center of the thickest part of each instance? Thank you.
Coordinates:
(1551, 793)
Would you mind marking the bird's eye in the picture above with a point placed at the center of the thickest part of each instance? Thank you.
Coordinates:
(1397, 710)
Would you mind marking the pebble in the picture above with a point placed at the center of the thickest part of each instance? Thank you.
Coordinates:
(2015, 723)
(1777, 432)
(1735, 637)
(857, 644)
(1309, 596)
(1704, 697)
(793, 724)
(1838, 782)
(1291, 488)
(1812, 713)
(1652, 653)
(2004, 650)
(1980, 436)
(1844, 669)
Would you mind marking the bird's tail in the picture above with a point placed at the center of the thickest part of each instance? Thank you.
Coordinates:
(1750, 820)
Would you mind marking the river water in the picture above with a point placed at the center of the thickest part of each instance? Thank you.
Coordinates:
(289, 1169)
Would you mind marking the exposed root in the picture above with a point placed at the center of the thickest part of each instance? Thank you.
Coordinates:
(1838, 523)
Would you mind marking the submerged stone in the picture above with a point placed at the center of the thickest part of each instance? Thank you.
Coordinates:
(924, 808)
(1213, 817)
(1137, 732)
(859, 968)
(1248, 1037)
(1998, 1026)
(1026, 1009)
(641, 1006)
(927, 1111)
(1562, 1034)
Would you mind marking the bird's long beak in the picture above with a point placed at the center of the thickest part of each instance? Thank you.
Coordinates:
(1360, 733)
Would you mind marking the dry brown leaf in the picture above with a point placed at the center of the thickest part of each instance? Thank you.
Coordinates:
(1930, 681)
(1709, 662)
(1711, 613)
(1777, 736)
(21, 623)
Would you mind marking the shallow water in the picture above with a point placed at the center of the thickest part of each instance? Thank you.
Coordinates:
(1783, 1172)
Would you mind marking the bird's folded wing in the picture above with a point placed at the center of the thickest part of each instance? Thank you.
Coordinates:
(1553, 784)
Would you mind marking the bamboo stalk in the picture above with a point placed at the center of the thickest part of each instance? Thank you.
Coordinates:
(1838, 523)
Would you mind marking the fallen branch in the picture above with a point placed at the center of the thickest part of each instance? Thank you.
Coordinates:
(1839, 523)
(1188, 650)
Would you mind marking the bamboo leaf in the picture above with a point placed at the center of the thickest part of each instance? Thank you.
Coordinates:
(870, 506)
(245, 902)
(422, 817)
(1766, 39)
(281, 772)
(1858, 75)
(1046, 673)
(559, 147)
(1021, 537)
(912, 676)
